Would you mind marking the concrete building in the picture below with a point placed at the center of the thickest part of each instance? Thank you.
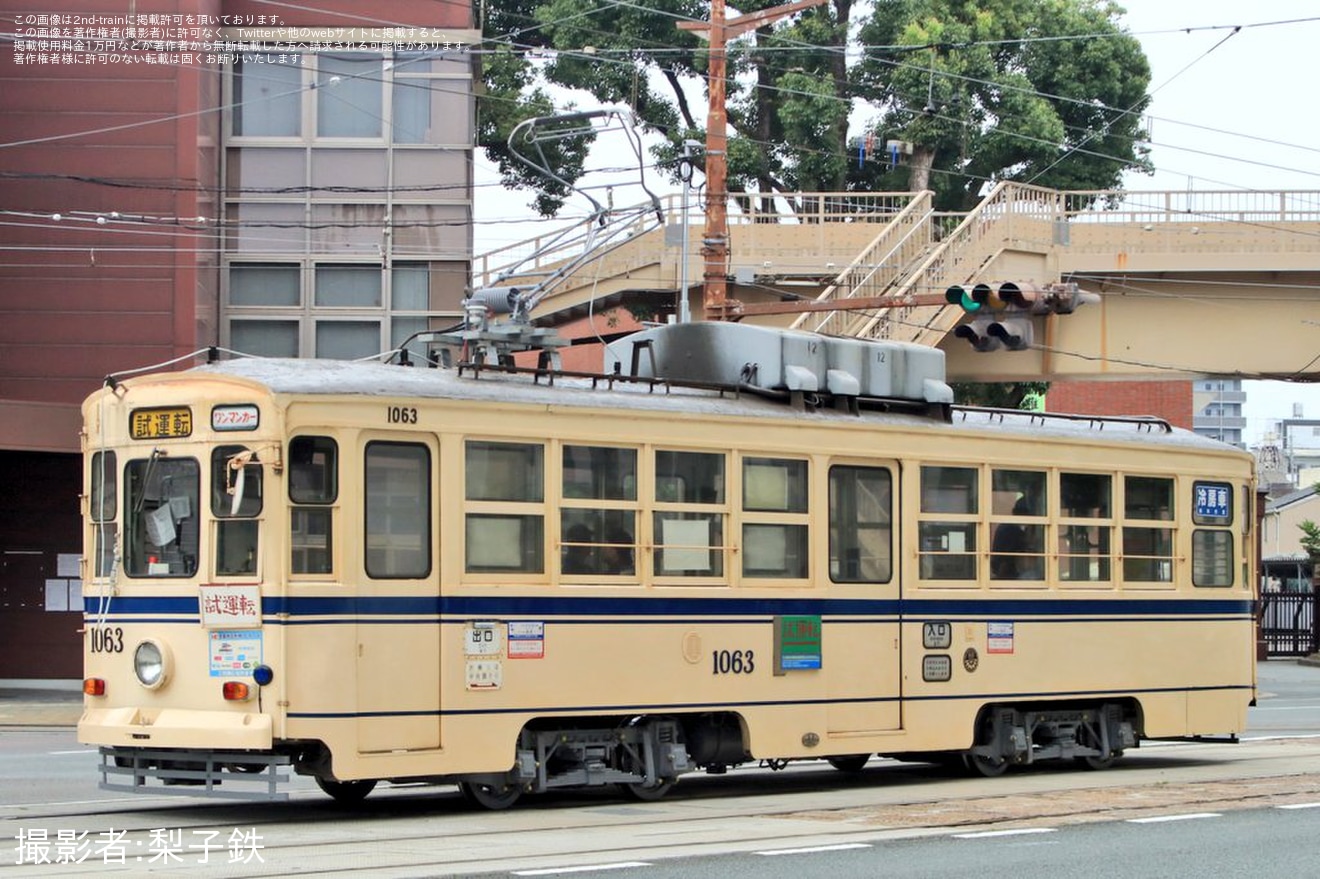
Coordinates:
(1218, 409)
(193, 173)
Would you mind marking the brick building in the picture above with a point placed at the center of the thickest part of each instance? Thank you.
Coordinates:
(185, 175)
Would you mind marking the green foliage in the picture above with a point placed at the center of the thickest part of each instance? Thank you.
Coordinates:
(1043, 91)
(999, 395)
(1310, 540)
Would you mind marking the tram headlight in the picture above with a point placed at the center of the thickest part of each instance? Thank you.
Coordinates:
(151, 664)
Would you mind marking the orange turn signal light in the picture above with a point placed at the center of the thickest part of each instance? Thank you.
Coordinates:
(94, 686)
(237, 691)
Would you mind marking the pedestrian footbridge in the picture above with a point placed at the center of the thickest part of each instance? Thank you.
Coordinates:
(1188, 283)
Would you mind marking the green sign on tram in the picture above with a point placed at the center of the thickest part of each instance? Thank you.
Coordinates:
(797, 643)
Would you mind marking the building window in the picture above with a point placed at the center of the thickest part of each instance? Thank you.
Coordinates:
(347, 339)
(348, 286)
(349, 94)
(264, 338)
(264, 284)
(268, 97)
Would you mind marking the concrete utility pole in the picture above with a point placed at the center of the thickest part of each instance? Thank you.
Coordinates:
(715, 245)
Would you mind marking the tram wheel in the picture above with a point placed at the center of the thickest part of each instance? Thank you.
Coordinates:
(989, 767)
(489, 796)
(649, 793)
(347, 792)
(849, 762)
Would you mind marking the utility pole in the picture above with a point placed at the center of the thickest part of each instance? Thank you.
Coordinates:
(715, 243)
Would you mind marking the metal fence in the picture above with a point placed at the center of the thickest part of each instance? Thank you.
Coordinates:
(1287, 623)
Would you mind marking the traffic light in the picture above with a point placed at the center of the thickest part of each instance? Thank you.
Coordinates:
(978, 333)
(1003, 311)
(962, 297)
(1014, 331)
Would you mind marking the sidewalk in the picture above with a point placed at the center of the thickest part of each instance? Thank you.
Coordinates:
(25, 707)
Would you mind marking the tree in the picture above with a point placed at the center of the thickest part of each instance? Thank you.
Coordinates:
(1310, 540)
(1000, 395)
(1042, 91)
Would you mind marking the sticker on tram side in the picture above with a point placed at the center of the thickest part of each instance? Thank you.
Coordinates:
(797, 643)
(999, 637)
(233, 607)
(970, 660)
(483, 639)
(526, 639)
(936, 635)
(936, 667)
(235, 654)
(484, 674)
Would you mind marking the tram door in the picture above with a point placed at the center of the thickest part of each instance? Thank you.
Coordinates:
(861, 643)
(398, 639)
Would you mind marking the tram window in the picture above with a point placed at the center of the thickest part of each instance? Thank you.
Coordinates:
(505, 472)
(398, 510)
(598, 541)
(161, 523)
(313, 480)
(236, 489)
(105, 486)
(313, 470)
(948, 548)
(689, 477)
(1147, 550)
(103, 503)
(1085, 548)
(311, 531)
(597, 534)
(505, 544)
(861, 525)
(505, 541)
(1212, 557)
(772, 485)
(774, 543)
(1017, 547)
(949, 490)
(600, 473)
(689, 545)
(1085, 495)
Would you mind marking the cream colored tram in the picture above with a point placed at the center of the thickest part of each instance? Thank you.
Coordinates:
(519, 583)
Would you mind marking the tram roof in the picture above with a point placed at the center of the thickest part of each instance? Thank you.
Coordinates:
(288, 376)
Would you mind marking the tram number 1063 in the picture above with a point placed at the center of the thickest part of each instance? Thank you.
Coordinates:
(106, 639)
(735, 662)
(401, 415)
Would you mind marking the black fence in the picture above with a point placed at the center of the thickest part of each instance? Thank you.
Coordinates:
(1287, 623)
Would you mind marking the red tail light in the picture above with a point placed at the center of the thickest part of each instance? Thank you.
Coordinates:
(94, 686)
(237, 691)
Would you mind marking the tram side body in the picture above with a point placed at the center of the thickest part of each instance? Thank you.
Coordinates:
(379, 679)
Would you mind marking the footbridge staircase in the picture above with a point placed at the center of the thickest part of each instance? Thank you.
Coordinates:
(1188, 283)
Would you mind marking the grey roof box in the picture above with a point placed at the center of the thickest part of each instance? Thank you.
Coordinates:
(717, 352)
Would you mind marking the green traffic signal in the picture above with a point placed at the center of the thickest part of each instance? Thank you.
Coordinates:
(962, 297)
